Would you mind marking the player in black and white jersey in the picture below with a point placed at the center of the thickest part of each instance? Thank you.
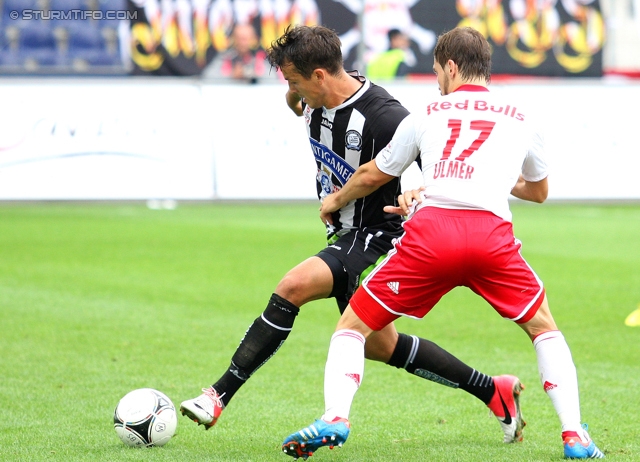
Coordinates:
(349, 121)
(342, 138)
(347, 136)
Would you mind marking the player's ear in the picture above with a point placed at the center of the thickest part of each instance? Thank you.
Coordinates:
(319, 75)
(452, 68)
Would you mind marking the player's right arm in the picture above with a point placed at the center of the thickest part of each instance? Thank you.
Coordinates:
(363, 182)
(294, 102)
(394, 159)
(403, 149)
(390, 162)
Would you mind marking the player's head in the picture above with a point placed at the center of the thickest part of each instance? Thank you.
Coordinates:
(308, 57)
(307, 48)
(463, 54)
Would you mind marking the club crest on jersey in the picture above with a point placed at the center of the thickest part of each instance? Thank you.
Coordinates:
(353, 140)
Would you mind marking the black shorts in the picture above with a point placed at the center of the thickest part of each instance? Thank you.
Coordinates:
(352, 257)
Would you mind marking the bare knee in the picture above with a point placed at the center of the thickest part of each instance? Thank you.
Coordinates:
(294, 288)
(541, 322)
(310, 280)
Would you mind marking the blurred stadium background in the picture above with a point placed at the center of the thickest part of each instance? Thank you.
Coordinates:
(104, 99)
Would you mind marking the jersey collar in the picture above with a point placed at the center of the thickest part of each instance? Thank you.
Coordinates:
(469, 87)
(366, 83)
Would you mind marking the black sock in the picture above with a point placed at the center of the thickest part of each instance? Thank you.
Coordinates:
(427, 360)
(261, 341)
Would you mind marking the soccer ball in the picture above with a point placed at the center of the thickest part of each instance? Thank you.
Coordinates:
(145, 417)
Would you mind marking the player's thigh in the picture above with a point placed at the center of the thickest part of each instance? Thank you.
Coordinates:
(352, 257)
(307, 281)
(501, 275)
(415, 275)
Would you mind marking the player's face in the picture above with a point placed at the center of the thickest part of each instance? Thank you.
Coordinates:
(442, 76)
(309, 89)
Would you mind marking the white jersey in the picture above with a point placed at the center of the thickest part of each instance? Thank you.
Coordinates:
(473, 147)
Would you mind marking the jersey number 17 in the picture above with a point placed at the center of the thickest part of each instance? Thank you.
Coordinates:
(483, 126)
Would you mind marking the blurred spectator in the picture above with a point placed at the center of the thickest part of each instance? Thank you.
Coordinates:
(396, 61)
(244, 61)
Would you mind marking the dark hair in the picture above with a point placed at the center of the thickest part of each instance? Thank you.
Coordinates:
(468, 49)
(307, 48)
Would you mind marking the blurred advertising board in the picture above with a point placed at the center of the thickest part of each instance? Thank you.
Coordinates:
(184, 139)
(81, 140)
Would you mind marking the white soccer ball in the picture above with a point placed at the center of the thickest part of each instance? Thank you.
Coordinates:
(145, 417)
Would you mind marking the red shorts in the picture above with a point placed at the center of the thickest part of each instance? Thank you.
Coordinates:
(442, 249)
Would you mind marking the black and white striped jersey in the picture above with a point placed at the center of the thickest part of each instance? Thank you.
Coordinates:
(347, 136)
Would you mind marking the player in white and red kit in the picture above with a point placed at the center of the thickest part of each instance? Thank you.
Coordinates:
(476, 150)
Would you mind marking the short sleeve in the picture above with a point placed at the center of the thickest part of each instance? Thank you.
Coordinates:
(401, 151)
(535, 167)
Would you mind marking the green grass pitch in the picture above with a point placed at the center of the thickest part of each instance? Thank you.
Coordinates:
(99, 299)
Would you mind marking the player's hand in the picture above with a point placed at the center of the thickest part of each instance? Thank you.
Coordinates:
(330, 204)
(294, 101)
(407, 202)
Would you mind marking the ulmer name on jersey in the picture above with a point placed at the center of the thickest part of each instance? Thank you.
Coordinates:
(478, 105)
(455, 169)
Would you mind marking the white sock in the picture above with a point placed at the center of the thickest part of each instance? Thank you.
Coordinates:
(343, 373)
(559, 378)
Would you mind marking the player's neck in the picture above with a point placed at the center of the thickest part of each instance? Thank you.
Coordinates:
(344, 87)
(481, 82)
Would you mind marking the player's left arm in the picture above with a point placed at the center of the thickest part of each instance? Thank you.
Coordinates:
(532, 183)
(534, 191)
(364, 181)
